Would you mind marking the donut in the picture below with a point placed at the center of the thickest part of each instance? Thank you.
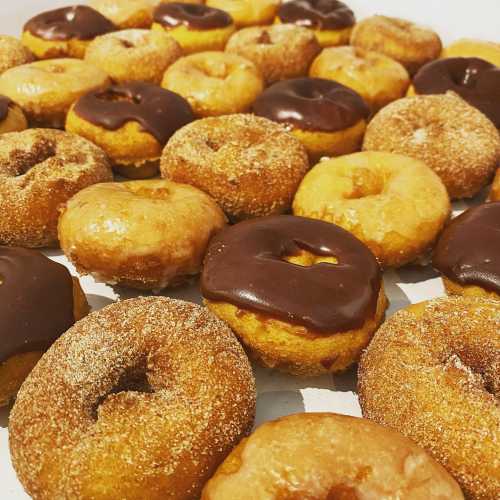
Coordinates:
(40, 169)
(474, 80)
(331, 20)
(126, 14)
(248, 12)
(281, 51)
(248, 164)
(303, 296)
(215, 83)
(495, 188)
(141, 234)
(12, 53)
(378, 79)
(432, 372)
(134, 55)
(467, 251)
(46, 89)
(322, 456)
(328, 118)
(453, 138)
(64, 32)
(408, 43)
(142, 399)
(466, 47)
(131, 123)
(39, 301)
(394, 204)
(197, 28)
(12, 118)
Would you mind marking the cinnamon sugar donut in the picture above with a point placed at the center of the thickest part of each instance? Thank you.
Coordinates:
(467, 47)
(248, 12)
(12, 53)
(453, 138)
(12, 118)
(432, 372)
(126, 14)
(143, 399)
(40, 169)
(495, 188)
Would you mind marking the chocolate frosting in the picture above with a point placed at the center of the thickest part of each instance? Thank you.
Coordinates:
(36, 301)
(312, 104)
(160, 112)
(193, 16)
(317, 14)
(468, 251)
(79, 21)
(475, 80)
(5, 102)
(245, 266)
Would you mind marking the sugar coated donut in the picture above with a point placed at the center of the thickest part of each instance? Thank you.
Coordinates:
(143, 399)
(303, 295)
(46, 89)
(12, 118)
(142, 234)
(250, 165)
(394, 204)
(467, 47)
(12, 53)
(40, 169)
(432, 128)
(322, 456)
(126, 14)
(248, 12)
(281, 51)
(408, 43)
(432, 372)
(495, 188)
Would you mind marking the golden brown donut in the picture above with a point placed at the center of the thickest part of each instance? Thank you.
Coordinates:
(248, 12)
(495, 188)
(250, 165)
(432, 372)
(453, 138)
(46, 89)
(215, 83)
(12, 118)
(126, 14)
(374, 76)
(467, 47)
(280, 51)
(141, 234)
(12, 53)
(133, 55)
(40, 169)
(408, 43)
(143, 399)
(322, 456)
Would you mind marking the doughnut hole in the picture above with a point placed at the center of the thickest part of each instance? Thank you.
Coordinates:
(307, 259)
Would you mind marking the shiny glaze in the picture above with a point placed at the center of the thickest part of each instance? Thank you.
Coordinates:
(193, 16)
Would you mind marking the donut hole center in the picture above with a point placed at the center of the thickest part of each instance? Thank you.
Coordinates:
(24, 161)
(305, 258)
(56, 69)
(264, 38)
(149, 192)
(365, 183)
(126, 44)
(213, 145)
(111, 95)
(215, 69)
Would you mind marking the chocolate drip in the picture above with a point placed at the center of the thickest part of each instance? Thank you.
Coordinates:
(36, 301)
(468, 251)
(312, 104)
(475, 80)
(5, 102)
(193, 16)
(245, 266)
(317, 14)
(160, 112)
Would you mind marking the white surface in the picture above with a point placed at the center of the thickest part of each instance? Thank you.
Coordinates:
(279, 394)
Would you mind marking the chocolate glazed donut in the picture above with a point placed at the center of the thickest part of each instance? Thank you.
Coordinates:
(193, 16)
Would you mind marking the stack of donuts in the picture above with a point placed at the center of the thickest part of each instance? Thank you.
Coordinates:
(282, 156)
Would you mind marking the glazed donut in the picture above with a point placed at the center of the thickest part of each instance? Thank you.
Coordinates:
(142, 399)
(197, 28)
(12, 53)
(467, 253)
(394, 204)
(131, 123)
(474, 80)
(495, 188)
(322, 456)
(40, 169)
(281, 51)
(331, 20)
(39, 301)
(64, 32)
(378, 79)
(328, 118)
(250, 165)
(432, 372)
(12, 118)
(453, 138)
(141, 234)
(134, 55)
(46, 89)
(466, 47)
(303, 296)
(126, 14)
(248, 12)
(408, 43)
(215, 83)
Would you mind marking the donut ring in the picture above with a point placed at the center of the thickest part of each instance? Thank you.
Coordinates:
(127, 14)
(495, 188)
(142, 399)
(466, 47)
(41, 169)
(248, 12)
(12, 118)
(12, 53)
(432, 371)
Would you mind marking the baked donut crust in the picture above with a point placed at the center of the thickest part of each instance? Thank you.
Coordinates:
(126, 14)
(248, 12)
(142, 399)
(432, 372)
(468, 47)
(495, 188)
(12, 53)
